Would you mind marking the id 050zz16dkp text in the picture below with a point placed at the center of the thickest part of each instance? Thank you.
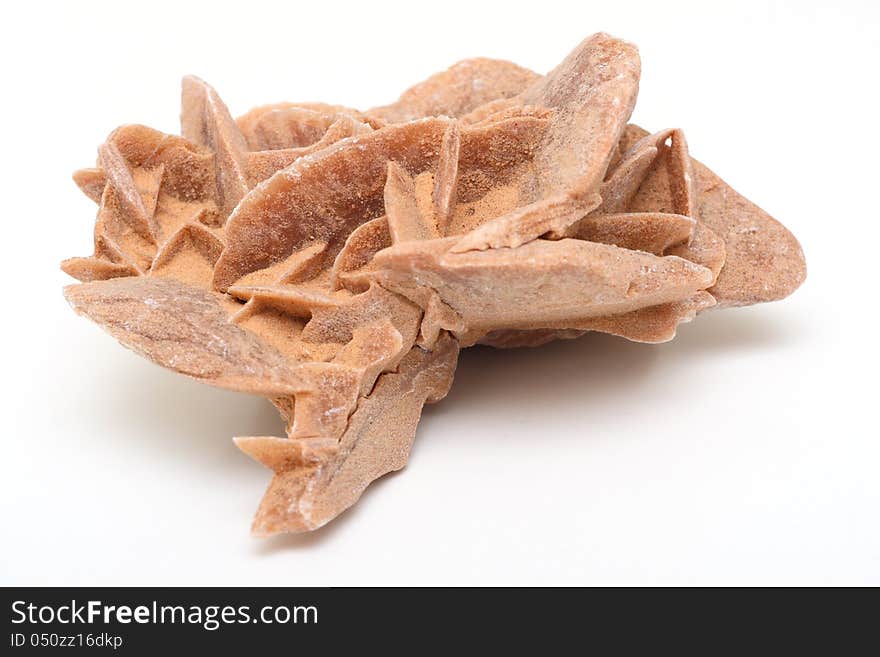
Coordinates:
(55, 640)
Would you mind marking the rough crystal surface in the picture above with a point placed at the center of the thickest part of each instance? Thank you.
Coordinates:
(335, 261)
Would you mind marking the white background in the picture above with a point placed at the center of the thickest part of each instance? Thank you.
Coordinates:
(744, 452)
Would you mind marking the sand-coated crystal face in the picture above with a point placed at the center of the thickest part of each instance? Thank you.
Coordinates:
(335, 261)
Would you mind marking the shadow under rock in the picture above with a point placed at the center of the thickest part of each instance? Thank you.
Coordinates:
(590, 371)
(730, 329)
(581, 371)
(178, 416)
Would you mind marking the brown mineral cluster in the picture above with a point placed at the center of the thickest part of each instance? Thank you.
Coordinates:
(335, 261)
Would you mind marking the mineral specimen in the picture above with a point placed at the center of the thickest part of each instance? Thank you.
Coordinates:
(335, 261)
